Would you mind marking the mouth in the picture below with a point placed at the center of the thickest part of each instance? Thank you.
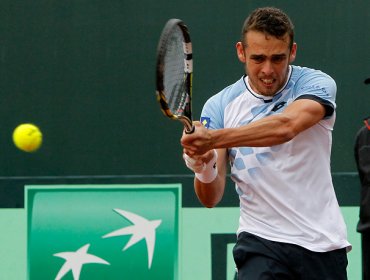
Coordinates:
(267, 82)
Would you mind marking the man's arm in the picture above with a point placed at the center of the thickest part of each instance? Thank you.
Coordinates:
(269, 131)
(210, 194)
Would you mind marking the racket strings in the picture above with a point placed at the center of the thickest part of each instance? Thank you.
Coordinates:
(176, 74)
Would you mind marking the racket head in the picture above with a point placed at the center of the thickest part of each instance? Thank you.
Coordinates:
(174, 73)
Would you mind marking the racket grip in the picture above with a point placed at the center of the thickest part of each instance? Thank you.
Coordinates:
(190, 130)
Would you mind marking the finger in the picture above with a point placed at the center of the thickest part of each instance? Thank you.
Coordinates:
(189, 152)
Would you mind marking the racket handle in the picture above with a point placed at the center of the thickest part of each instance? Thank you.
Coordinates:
(189, 130)
(188, 124)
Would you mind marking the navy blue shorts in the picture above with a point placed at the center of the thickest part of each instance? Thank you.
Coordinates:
(260, 259)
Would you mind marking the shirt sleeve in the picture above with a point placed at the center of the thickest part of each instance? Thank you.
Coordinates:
(212, 114)
(320, 87)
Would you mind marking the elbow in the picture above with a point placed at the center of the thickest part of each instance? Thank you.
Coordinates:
(209, 205)
(208, 201)
(209, 195)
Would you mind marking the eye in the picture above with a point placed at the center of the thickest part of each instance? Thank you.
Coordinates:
(258, 58)
(278, 58)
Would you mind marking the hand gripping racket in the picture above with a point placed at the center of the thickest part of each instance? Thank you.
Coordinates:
(174, 71)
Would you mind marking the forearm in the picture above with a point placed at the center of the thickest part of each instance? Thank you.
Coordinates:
(268, 131)
(210, 194)
(272, 130)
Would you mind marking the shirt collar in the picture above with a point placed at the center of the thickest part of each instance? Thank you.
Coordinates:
(267, 99)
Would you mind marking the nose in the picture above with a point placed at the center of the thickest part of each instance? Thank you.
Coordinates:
(267, 68)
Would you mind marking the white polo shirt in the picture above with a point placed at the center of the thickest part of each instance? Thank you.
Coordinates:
(286, 191)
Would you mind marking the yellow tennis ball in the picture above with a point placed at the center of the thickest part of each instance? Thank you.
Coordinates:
(27, 137)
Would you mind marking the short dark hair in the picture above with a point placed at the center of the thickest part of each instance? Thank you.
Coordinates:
(271, 21)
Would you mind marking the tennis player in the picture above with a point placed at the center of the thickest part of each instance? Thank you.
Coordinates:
(274, 126)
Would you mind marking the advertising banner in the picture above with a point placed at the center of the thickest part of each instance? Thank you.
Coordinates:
(111, 232)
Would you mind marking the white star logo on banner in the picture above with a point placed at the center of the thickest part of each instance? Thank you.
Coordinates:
(75, 261)
(141, 229)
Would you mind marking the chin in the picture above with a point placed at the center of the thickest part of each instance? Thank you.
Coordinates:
(268, 92)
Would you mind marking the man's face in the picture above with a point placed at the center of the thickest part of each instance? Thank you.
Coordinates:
(266, 60)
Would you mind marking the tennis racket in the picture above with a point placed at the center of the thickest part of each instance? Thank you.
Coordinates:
(174, 71)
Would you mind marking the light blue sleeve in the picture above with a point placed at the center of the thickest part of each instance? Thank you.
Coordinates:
(318, 86)
(213, 114)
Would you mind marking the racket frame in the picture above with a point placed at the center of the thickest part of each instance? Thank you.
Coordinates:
(186, 119)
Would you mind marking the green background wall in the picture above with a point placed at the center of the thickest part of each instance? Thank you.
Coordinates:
(84, 72)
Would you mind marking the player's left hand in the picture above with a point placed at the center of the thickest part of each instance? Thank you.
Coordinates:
(197, 143)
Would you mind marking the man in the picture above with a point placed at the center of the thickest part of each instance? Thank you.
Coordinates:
(362, 157)
(274, 126)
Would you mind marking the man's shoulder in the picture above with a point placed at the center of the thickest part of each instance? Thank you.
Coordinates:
(230, 92)
(299, 72)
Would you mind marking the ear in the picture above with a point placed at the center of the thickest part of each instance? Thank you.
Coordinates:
(293, 53)
(240, 51)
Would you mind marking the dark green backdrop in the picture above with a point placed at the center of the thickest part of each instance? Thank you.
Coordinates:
(83, 71)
